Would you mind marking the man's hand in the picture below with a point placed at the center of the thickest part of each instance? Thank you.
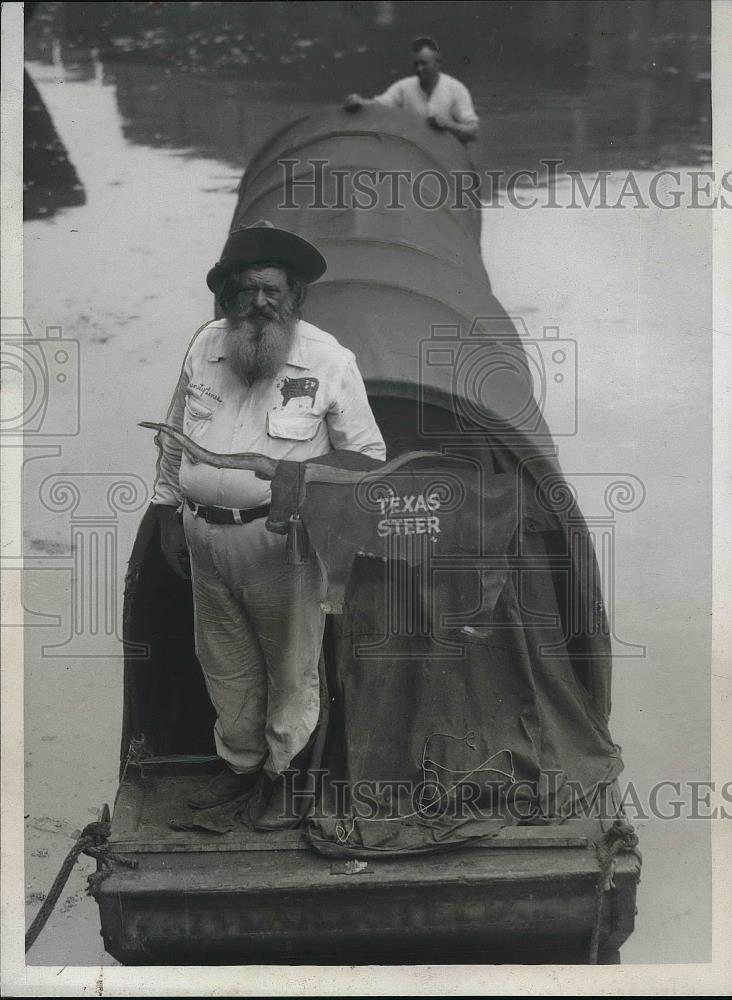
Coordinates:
(173, 542)
(354, 102)
(464, 131)
(440, 122)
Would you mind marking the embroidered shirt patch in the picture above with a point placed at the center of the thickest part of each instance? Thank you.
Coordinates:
(291, 388)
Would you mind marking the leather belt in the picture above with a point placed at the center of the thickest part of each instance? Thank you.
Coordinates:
(225, 515)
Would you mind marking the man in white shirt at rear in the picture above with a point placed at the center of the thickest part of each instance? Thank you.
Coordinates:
(441, 100)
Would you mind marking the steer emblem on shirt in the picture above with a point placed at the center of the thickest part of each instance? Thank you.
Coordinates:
(291, 388)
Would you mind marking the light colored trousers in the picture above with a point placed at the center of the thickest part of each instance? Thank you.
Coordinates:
(258, 633)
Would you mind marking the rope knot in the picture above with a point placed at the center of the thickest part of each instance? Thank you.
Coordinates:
(620, 837)
(96, 831)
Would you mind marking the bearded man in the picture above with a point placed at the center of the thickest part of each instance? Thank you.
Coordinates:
(258, 380)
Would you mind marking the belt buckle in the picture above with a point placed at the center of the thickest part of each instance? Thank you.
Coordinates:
(236, 514)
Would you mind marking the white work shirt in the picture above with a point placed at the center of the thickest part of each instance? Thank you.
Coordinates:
(315, 404)
(449, 98)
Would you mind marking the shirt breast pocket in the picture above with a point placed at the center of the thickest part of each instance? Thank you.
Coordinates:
(196, 416)
(289, 427)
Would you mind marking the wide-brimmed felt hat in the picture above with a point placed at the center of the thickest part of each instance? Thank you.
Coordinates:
(263, 243)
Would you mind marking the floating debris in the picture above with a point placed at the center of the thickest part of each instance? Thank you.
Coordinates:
(48, 547)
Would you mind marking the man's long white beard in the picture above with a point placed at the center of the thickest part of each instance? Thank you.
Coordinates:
(257, 348)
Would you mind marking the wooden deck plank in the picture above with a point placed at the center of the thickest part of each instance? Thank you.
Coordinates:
(285, 871)
(195, 841)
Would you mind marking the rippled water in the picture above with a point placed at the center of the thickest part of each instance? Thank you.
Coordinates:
(611, 85)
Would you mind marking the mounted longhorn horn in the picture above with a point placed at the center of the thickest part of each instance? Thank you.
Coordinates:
(267, 467)
(250, 461)
(297, 547)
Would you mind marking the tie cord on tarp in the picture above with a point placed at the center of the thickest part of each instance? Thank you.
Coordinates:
(428, 766)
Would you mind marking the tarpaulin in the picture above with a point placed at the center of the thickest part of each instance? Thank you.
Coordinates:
(455, 708)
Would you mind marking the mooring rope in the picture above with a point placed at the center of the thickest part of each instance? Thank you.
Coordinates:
(620, 837)
(92, 841)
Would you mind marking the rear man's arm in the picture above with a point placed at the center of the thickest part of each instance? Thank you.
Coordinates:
(391, 98)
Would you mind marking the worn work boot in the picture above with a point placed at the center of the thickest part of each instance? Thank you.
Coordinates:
(276, 808)
(226, 786)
